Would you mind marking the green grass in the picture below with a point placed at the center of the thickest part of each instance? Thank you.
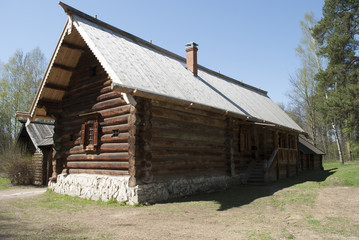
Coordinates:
(4, 183)
(290, 198)
(345, 175)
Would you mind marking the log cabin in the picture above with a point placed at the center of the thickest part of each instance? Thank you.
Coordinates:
(36, 139)
(135, 122)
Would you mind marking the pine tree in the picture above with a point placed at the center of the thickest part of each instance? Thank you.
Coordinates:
(337, 34)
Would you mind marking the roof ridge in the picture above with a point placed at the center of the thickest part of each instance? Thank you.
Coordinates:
(70, 10)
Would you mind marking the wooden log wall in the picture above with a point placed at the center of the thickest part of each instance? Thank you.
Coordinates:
(317, 165)
(89, 91)
(287, 162)
(187, 142)
(143, 153)
(37, 164)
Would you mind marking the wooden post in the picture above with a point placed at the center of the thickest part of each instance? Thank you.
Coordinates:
(56, 160)
(144, 125)
(229, 146)
(255, 142)
(276, 145)
(132, 146)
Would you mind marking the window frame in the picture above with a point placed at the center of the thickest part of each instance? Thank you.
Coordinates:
(90, 132)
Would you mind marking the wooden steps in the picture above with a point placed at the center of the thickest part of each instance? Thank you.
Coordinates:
(256, 176)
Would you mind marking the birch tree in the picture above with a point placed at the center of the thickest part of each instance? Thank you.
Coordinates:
(20, 78)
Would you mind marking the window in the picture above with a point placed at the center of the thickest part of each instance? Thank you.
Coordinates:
(90, 132)
(115, 133)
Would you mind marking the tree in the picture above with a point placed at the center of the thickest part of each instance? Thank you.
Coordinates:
(337, 34)
(303, 93)
(20, 78)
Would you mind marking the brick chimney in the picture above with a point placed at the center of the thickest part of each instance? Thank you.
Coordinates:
(191, 60)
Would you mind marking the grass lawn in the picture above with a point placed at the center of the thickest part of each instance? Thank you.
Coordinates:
(314, 205)
(5, 183)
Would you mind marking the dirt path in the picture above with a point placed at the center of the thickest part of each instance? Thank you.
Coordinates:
(21, 192)
(289, 213)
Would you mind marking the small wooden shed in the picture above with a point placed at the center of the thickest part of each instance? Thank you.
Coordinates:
(136, 122)
(311, 157)
(37, 138)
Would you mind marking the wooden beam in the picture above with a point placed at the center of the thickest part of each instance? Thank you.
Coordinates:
(44, 102)
(55, 87)
(22, 114)
(73, 46)
(63, 67)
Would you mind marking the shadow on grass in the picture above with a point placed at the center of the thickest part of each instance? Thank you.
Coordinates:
(240, 195)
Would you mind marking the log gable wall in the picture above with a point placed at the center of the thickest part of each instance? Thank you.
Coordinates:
(106, 151)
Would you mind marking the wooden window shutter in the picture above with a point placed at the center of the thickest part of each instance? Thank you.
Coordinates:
(83, 135)
(95, 133)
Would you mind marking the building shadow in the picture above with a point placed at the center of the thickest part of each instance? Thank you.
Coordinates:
(240, 195)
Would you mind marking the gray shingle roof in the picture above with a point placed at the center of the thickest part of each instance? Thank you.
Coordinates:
(133, 65)
(308, 148)
(40, 133)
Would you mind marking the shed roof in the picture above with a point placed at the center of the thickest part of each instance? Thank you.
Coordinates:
(40, 133)
(308, 148)
(139, 68)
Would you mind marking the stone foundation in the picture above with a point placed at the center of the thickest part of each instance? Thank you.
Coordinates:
(102, 187)
(95, 187)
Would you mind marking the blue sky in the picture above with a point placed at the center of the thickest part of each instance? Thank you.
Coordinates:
(252, 41)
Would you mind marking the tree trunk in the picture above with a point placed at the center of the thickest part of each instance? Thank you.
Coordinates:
(338, 144)
(349, 151)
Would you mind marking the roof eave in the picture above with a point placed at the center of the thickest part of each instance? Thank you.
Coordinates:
(189, 104)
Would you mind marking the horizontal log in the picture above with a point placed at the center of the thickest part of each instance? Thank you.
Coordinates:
(187, 159)
(91, 106)
(177, 143)
(121, 128)
(90, 82)
(114, 147)
(83, 73)
(188, 110)
(108, 96)
(109, 138)
(158, 112)
(187, 127)
(97, 171)
(190, 166)
(70, 131)
(112, 103)
(99, 157)
(110, 115)
(98, 165)
(187, 152)
(90, 94)
(115, 111)
(187, 135)
(104, 148)
(121, 119)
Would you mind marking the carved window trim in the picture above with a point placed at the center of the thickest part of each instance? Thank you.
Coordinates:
(89, 140)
